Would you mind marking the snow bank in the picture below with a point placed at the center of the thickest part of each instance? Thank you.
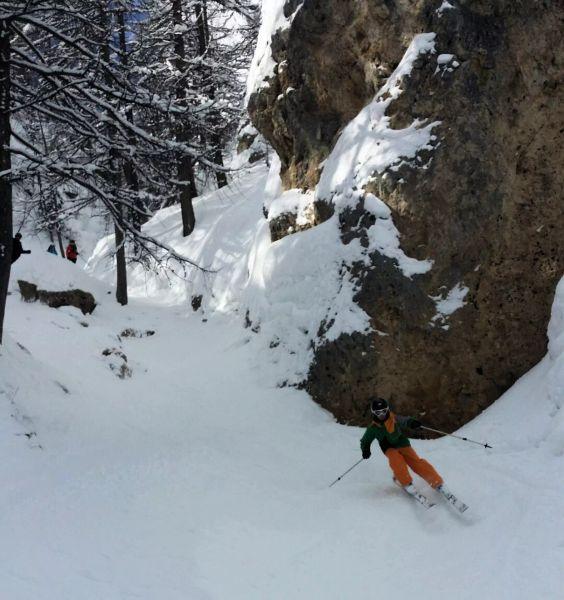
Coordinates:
(269, 285)
(51, 272)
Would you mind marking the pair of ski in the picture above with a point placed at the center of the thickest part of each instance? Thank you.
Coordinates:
(442, 489)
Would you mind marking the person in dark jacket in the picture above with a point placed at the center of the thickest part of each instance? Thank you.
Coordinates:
(17, 249)
(389, 429)
(72, 251)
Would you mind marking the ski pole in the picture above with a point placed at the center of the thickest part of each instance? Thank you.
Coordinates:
(348, 471)
(458, 437)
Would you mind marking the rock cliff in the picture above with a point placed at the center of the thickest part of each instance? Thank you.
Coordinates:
(484, 204)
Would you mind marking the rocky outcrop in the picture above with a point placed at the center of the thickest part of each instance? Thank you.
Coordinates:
(117, 361)
(288, 223)
(84, 301)
(485, 205)
(130, 332)
(250, 140)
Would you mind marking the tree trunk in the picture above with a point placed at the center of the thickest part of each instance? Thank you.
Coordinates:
(218, 159)
(44, 211)
(114, 173)
(128, 169)
(203, 45)
(5, 170)
(121, 283)
(54, 226)
(185, 167)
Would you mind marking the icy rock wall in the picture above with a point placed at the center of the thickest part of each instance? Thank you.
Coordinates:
(481, 202)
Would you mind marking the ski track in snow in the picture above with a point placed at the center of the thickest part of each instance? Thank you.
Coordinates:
(198, 478)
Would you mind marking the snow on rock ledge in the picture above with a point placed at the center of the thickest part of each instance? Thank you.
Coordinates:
(273, 20)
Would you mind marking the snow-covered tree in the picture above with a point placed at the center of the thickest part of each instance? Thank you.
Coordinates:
(125, 101)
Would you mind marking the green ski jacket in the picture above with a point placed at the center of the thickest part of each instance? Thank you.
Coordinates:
(390, 433)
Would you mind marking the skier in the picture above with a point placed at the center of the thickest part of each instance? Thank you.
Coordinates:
(52, 249)
(17, 249)
(72, 251)
(388, 429)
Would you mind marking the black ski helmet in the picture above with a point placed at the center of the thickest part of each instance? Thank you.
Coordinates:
(379, 407)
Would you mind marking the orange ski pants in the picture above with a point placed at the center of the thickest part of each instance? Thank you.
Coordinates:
(402, 458)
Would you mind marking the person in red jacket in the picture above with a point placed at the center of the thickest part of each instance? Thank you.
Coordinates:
(72, 251)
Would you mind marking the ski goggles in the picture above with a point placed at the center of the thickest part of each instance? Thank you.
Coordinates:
(382, 412)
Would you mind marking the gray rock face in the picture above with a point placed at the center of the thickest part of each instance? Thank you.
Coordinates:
(486, 208)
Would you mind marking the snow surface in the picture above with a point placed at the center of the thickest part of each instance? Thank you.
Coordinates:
(271, 283)
(198, 478)
(446, 63)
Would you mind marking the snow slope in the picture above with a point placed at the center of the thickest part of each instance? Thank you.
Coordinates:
(199, 478)
(268, 284)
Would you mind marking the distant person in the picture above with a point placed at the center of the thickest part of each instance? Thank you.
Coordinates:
(17, 249)
(52, 249)
(72, 251)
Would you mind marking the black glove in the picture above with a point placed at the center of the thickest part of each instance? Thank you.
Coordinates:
(415, 424)
(366, 453)
(26, 252)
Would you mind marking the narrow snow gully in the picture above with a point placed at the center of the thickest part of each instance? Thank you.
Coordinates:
(197, 477)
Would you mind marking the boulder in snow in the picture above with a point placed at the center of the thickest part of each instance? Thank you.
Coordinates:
(80, 299)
